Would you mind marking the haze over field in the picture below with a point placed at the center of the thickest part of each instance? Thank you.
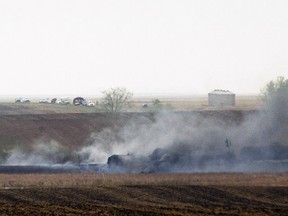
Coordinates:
(163, 46)
(211, 141)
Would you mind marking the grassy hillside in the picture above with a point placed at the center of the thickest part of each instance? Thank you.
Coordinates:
(73, 129)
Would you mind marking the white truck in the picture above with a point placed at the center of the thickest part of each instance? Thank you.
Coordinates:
(22, 100)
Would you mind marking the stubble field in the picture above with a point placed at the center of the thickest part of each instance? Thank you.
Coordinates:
(144, 194)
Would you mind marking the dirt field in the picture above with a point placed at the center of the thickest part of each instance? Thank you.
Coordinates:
(157, 194)
(146, 200)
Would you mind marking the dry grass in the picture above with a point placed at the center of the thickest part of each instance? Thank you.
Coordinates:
(243, 102)
(172, 103)
(94, 180)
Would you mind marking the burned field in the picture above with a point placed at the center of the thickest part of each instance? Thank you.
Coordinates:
(144, 194)
(173, 142)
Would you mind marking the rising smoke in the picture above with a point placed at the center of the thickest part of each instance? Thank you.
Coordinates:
(195, 142)
(181, 142)
(42, 152)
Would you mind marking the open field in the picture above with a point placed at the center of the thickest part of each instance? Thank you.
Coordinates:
(243, 102)
(38, 108)
(71, 180)
(8, 107)
(73, 130)
(157, 194)
(21, 125)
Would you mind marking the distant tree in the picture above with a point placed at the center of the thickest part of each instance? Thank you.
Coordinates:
(115, 99)
(157, 106)
(156, 102)
(275, 88)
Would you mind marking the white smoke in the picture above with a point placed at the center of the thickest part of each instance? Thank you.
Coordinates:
(178, 142)
(40, 153)
(187, 138)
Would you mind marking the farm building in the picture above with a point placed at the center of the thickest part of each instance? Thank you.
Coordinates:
(221, 98)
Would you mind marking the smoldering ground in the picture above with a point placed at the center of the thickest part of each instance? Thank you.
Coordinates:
(41, 152)
(43, 156)
(208, 141)
(197, 142)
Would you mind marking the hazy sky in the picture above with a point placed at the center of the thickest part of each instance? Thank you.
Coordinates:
(160, 46)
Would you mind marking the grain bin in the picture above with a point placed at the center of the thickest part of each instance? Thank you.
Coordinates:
(221, 98)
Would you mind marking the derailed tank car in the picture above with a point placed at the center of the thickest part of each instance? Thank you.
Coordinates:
(126, 163)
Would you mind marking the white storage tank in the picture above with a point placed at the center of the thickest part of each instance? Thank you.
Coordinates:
(221, 98)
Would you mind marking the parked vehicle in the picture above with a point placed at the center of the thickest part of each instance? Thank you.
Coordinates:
(22, 100)
(80, 101)
(53, 100)
(44, 100)
(64, 101)
(90, 104)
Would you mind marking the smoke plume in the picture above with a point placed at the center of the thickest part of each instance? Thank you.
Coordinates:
(208, 141)
(197, 142)
(42, 152)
